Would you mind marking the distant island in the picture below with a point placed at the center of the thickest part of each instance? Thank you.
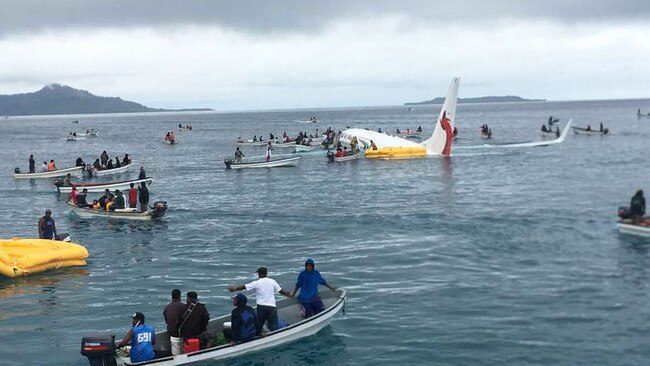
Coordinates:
(62, 99)
(489, 99)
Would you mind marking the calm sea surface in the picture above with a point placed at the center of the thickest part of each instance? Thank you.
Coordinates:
(490, 257)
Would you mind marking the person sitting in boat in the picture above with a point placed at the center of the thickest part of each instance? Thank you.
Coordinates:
(261, 138)
(142, 338)
(72, 198)
(118, 201)
(544, 128)
(637, 206)
(109, 165)
(239, 155)
(308, 281)
(339, 152)
(240, 140)
(43, 167)
(117, 162)
(80, 162)
(51, 166)
(489, 133)
(133, 196)
(254, 138)
(345, 151)
(243, 321)
(97, 165)
(397, 131)
(588, 128)
(96, 205)
(81, 198)
(46, 226)
(373, 146)
(194, 322)
(105, 199)
(126, 160)
(67, 182)
(419, 129)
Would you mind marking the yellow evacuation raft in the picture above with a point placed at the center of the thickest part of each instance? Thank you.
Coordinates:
(20, 257)
(397, 153)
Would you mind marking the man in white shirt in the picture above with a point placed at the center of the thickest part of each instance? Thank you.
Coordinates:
(265, 289)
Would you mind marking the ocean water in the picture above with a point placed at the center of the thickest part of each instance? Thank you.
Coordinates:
(493, 256)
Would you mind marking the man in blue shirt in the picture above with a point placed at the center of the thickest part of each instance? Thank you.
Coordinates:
(142, 338)
(308, 281)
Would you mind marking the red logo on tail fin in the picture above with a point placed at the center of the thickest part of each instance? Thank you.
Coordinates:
(445, 123)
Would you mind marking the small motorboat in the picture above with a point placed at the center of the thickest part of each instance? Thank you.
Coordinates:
(589, 131)
(304, 148)
(628, 226)
(158, 211)
(273, 163)
(101, 187)
(100, 348)
(20, 257)
(73, 171)
(331, 157)
(71, 138)
(100, 173)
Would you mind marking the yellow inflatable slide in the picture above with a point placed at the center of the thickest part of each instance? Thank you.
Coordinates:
(20, 257)
(397, 152)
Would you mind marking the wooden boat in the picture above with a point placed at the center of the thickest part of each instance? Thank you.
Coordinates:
(74, 171)
(104, 172)
(273, 163)
(102, 186)
(585, 131)
(100, 347)
(158, 211)
(20, 257)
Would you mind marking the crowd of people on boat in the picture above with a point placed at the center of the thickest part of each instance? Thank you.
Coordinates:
(170, 137)
(486, 130)
(111, 201)
(187, 322)
(106, 163)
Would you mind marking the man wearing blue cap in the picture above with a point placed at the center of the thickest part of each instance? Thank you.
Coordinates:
(142, 338)
(308, 281)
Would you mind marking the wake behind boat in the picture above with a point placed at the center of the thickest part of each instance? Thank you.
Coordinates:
(158, 211)
(274, 163)
(74, 171)
(100, 347)
(101, 187)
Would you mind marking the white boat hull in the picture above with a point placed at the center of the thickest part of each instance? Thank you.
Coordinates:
(303, 148)
(100, 187)
(287, 309)
(105, 172)
(584, 131)
(265, 164)
(74, 171)
(348, 158)
(126, 214)
(632, 229)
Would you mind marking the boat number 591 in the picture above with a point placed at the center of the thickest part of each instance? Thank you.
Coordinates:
(144, 337)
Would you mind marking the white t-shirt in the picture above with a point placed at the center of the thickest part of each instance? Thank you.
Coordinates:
(265, 289)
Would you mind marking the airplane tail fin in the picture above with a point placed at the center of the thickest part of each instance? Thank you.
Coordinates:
(440, 141)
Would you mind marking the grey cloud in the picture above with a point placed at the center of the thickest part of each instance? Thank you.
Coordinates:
(295, 16)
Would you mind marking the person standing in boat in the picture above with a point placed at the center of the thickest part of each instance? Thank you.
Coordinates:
(173, 314)
(133, 197)
(268, 151)
(73, 196)
(143, 174)
(265, 289)
(46, 226)
(142, 338)
(67, 181)
(32, 164)
(104, 158)
(601, 127)
(308, 281)
(143, 197)
(81, 199)
(97, 165)
(126, 160)
(238, 156)
(195, 319)
(80, 162)
(419, 129)
(637, 206)
(243, 321)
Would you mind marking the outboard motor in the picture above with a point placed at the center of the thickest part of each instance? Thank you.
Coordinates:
(99, 348)
(624, 212)
(330, 156)
(159, 208)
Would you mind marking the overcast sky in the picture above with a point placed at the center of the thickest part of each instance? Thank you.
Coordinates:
(291, 54)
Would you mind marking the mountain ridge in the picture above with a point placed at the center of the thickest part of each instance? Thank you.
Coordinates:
(486, 99)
